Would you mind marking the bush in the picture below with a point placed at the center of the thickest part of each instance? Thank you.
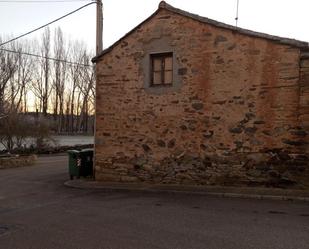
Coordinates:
(16, 129)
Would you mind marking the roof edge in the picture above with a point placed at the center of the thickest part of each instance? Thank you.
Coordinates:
(283, 40)
(105, 51)
(163, 5)
(304, 56)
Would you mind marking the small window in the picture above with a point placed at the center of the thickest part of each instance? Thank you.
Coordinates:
(161, 69)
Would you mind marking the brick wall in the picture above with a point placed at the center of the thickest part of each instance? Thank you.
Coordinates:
(236, 116)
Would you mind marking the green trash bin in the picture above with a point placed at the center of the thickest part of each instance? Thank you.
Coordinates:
(75, 164)
(86, 156)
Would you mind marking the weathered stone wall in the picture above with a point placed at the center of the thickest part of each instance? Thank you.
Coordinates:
(232, 117)
(304, 96)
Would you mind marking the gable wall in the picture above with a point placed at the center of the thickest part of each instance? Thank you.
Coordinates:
(304, 93)
(237, 98)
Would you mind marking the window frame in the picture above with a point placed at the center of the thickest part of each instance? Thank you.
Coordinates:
(163, 70)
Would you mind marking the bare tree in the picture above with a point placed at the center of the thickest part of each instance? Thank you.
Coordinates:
(60, 68)
(19, 83)
(46, 69)
(7, 69)
(41, 87)
(25, 64)
(86, 85)
(77, 54)
(56, 87)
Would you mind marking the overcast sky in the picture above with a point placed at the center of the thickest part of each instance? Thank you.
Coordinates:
(287, 18)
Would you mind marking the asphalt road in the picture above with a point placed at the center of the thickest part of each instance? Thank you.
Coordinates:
(38, 212)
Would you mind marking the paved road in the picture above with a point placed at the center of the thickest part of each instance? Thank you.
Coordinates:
(38, 212)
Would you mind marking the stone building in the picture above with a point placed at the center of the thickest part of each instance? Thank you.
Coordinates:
(182, 99)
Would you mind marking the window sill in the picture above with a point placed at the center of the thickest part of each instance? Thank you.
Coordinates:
(160, 85)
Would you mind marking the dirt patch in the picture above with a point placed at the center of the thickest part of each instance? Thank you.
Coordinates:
(17, 161)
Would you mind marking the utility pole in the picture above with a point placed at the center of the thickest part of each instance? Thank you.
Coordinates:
(99, 41)
(236, 18)
(99, 48)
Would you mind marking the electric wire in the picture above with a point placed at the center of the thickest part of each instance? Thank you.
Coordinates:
(45, 25)
(42, 1)
(44, 57)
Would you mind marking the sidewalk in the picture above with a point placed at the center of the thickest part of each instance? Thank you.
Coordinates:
(239, 192)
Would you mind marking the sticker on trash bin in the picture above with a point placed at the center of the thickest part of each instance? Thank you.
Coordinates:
(79, 162)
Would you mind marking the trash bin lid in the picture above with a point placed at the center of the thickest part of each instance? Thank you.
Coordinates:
(88, 150)
(73, 151)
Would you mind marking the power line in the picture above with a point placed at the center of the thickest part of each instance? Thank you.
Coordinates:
(44, 57)
(43, 26)
(42, 1)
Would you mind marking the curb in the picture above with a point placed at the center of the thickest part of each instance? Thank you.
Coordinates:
(153, 189)
(61, 154)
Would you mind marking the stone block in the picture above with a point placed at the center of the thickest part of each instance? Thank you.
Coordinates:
(129, 179)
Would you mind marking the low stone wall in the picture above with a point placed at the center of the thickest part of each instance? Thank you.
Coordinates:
(17, 161)
(272, 169)
(49, 150)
